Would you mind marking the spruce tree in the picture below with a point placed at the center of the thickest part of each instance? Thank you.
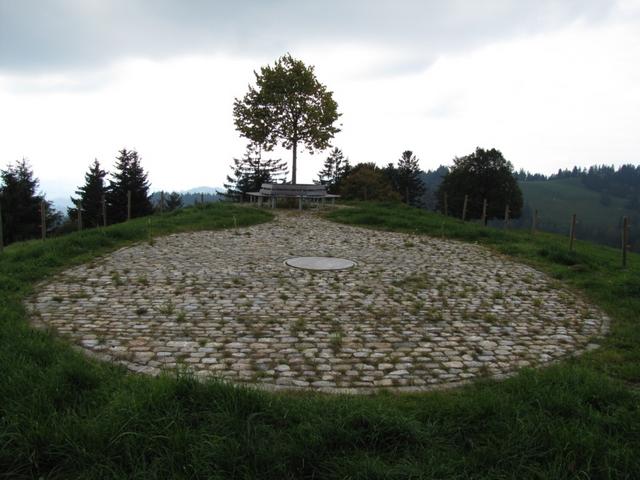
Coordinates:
(20, 203)
(129, 176)
(90, 196)
(173, 201)
(409, 184)
(250, 172)
(336, 167)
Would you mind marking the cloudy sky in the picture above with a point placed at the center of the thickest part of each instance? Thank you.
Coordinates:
(550, 83)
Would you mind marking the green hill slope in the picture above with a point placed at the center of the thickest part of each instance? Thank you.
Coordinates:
(557, 200)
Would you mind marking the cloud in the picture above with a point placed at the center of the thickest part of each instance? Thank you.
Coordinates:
(54, 35)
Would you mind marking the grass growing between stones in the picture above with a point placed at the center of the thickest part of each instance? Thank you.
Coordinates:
(63, 415)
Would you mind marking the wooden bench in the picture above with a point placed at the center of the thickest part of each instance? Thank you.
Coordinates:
(304, 192)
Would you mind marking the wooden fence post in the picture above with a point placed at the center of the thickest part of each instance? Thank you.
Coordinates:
(446, 205)
(43, 219)
(129, 205)
(1, 232)
(464, 208)
(79, 207)
(534, 222)
(506, 216)
(572, 233)
(625, 240)
(484, 212)
(104, 211)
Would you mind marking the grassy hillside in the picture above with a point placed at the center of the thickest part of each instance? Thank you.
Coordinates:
(63, 415)
(557, 200)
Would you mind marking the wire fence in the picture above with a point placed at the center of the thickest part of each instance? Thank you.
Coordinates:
(160, 207)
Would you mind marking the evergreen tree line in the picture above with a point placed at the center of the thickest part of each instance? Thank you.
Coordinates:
(21, 205)
(623, 182)
(174, 200)
(21, 202)
(100, 198)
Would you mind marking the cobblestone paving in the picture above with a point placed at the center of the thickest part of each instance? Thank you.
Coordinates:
(415, 313)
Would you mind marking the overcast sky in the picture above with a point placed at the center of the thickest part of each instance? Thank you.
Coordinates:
(551, 84)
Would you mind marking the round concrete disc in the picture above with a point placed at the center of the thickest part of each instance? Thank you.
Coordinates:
(320, 263)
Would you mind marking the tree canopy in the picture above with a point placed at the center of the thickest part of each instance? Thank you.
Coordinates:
(21, 204)
(129, 176)
(367, 181)
(173, 201)
(406, 179)
(483, 174)
(336, 167)
(90, 196)
(289, 107)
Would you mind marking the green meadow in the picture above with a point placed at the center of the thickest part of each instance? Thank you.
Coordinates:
(64, 415)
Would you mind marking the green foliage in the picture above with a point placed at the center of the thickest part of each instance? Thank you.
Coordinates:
(173, 201)
(366, 181)
(250, 172)
(288, 106)
(406, 180)
(90, 197)
(21, 204)
(336, 167)
(129, 176)
(484, 174)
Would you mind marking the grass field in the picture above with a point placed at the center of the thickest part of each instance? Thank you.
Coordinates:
(63, 415)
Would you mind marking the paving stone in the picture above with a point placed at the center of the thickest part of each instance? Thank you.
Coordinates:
(408, 317)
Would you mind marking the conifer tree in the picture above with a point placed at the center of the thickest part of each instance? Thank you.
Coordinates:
(20, 203)
(336, 167)
(173, 201)
(250, 172)
(129, 176)
(407, 177)
(90, 196)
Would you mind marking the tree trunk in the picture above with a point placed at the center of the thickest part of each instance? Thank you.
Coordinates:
(295, 157)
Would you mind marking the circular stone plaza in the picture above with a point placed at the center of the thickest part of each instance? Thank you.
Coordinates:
(393, 311)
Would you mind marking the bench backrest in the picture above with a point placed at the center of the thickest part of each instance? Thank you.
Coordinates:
(293, 190)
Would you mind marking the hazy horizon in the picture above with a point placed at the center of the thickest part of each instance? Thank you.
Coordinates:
(552, 84)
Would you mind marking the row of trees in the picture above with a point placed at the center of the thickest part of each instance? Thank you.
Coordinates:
(128, 178)
(21, 202)
(481, 175)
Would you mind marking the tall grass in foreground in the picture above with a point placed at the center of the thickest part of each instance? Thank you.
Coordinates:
(63, 415)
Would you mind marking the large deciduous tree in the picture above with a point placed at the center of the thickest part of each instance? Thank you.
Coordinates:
(289, 107)
(129, 176)
(484, 174)
(250, 172)
(336, 167)
(90, 197)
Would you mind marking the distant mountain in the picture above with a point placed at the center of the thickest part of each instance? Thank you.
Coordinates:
(211, 190)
